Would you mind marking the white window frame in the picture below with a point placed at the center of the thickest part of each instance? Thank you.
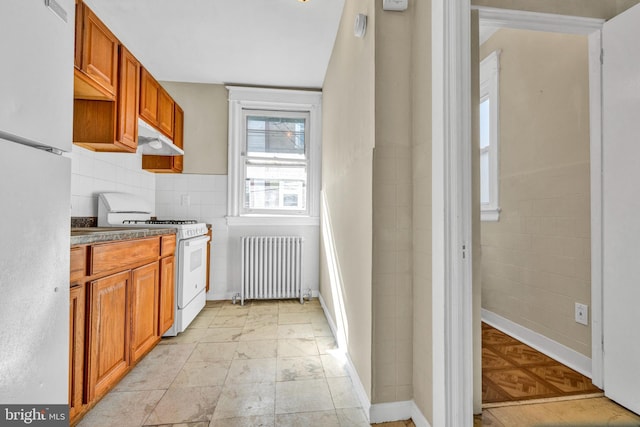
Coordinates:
(489, 89)
(242, 99)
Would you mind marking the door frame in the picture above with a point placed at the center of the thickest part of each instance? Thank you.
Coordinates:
(452, 189)
(592, 28)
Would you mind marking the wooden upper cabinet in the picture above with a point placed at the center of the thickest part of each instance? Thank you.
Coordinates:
(100, 125)
(149, 92)
(96, 57)
(156, 105)
(165, 113)
(178, 138)
(99, 52)
(169, 164)
(128, 99)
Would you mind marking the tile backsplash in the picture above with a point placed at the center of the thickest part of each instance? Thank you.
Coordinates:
(93, 173)
(174, 196)
(203, 198)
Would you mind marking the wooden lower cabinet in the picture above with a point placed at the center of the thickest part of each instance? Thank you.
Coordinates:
(76, 349)
(109, 330)
(121, 302)
(167, 293)
(145, 298)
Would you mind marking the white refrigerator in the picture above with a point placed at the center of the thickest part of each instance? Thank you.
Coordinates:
(36, 118)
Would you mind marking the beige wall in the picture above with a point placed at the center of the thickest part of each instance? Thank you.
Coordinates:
(536, 259)
(378, 93)
(392, 210)
(347, 164)
(421, 206)
(205, 125)
(604, 9)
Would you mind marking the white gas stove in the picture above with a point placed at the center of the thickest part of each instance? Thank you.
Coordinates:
(128, 210)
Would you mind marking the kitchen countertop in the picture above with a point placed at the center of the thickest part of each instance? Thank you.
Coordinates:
(88, 235)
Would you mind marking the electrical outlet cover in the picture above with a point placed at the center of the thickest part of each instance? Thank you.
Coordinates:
(582, 314)
(395, 4)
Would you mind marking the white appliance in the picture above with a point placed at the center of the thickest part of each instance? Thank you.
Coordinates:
(36, 118)
(128, 210)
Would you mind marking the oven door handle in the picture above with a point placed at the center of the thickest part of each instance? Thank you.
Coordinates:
(198, 241)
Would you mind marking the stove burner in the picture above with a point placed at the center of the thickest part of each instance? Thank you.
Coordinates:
(164, 221)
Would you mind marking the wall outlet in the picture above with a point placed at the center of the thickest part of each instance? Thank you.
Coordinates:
(185, 200)
(582, 314)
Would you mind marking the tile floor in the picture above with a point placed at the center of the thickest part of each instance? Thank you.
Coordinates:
(269, 363)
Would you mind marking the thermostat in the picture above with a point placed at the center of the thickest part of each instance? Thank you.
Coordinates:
(395, 4)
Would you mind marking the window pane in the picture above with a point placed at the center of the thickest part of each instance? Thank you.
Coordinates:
(275, 187)
(276, 137)
(485, 128)
(484, 179)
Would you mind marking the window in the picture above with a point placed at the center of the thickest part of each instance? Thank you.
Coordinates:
(274, 154)
(489, 132)
(275, 162)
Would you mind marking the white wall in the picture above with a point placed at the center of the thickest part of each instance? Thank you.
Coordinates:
(208, 203)
(310, 261)
(93, 173)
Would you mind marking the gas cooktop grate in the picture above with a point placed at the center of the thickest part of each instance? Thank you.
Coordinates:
(163, 221)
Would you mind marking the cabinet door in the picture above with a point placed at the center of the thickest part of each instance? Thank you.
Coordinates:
(109, 332)
(167, 293)
(76, 348)
(165, 113)
(168, 164)
(128, 99)
(178, 137)
(149, 91)
(99, 52)
(145, 297)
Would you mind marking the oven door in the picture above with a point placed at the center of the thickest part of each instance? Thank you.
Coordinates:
(192, 269)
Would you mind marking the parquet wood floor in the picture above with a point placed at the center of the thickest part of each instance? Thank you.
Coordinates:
(513, 371)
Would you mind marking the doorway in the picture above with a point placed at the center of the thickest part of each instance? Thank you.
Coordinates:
(535, 211)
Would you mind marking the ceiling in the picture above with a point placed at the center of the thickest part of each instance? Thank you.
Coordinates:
(282, 43)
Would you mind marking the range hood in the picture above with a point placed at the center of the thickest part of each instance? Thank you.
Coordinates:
(151, 141)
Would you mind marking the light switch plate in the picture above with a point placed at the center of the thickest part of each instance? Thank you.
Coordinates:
(395, 4)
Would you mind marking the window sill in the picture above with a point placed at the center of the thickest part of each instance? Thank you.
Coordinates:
(281, 220)
(490, 215)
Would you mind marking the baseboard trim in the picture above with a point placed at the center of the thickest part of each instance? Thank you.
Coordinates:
(418, 417)
(379, 412)
(220, 296)
(397, 411)
(391, 411)
(225, 296)
(563, 354)
(351, 369)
